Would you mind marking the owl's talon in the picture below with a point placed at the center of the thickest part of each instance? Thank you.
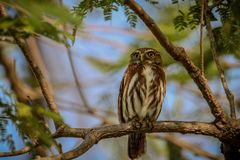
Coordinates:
(136, 124)
(148, 124)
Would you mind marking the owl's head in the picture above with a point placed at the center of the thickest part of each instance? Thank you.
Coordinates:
(146, 56)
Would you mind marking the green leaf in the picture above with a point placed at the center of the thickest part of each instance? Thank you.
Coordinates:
(38, 17)
(45, 112)
(30, 123)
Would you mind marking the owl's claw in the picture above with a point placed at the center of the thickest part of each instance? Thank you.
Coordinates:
(148, 123)
(136, 123)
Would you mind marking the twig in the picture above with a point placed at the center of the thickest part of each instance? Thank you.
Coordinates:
(179, 54)
(16, 153)
(188, 146)
(79, 86)
(212, 41)
(201, 36)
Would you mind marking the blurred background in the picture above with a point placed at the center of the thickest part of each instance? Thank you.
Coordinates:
(100, 55)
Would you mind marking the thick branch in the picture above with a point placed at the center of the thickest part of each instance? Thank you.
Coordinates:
(92, 136)
(179, 54)
(212, 41)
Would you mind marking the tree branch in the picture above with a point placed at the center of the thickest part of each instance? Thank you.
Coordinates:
(201, 35)
(212, 41)
(179, 54)
(92, 136)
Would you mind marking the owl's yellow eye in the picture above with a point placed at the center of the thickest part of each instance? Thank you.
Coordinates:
(151, 54)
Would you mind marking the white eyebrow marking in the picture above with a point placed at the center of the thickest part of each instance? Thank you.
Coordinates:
(148, 50)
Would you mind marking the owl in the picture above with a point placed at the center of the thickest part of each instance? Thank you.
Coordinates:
(141, 95)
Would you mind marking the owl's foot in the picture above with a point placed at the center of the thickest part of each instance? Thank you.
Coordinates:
(136, 123)
(148, 123)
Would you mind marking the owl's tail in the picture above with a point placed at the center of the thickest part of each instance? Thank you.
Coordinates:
(136, 145)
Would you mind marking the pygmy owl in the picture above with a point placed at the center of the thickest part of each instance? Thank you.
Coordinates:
(141, 95)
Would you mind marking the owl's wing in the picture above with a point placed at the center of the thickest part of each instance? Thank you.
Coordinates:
(130, 71)
(120, 97)
(163, 78)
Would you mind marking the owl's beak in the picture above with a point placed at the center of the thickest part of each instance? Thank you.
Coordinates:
(142, 57)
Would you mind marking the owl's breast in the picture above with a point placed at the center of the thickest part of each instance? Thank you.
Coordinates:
(148, 86)
(142, 94)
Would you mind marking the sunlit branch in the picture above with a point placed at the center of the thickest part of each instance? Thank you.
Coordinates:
(92, 136)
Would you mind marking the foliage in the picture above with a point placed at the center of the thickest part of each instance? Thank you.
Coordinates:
(27, 119)
(39, 17)
(30, 122)
(190, 19)
(107, 6)
(131, 16)
(6, 105)
(227, 35)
